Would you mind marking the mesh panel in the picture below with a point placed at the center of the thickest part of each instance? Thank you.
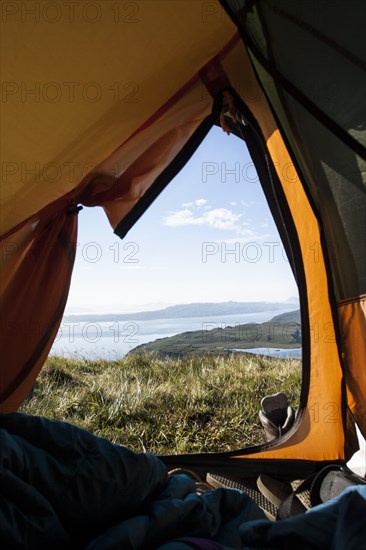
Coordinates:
(310, 58)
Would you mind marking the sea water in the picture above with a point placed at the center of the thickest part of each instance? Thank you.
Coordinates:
(114, 339)
(293, 353)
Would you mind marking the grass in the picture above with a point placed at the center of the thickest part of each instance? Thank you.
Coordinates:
(165, 406)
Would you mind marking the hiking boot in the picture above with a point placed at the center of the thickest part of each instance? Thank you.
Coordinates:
(276, 415)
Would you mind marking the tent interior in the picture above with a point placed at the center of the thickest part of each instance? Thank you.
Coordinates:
(102, 106)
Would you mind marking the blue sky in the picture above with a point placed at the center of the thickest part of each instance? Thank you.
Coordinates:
(209, 237)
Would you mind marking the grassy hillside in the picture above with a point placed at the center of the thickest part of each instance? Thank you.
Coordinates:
(282, 331)
(195, 404)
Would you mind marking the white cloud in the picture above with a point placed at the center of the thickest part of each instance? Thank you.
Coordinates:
(218, 218)
(200, 202)
(222, 218)
(181, 217)
(195, 204)
(233, 203)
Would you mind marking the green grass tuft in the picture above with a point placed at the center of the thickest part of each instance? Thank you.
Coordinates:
(165, 406)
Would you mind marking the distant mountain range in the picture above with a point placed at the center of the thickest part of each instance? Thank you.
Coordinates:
(190, 310)
(282, 331)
